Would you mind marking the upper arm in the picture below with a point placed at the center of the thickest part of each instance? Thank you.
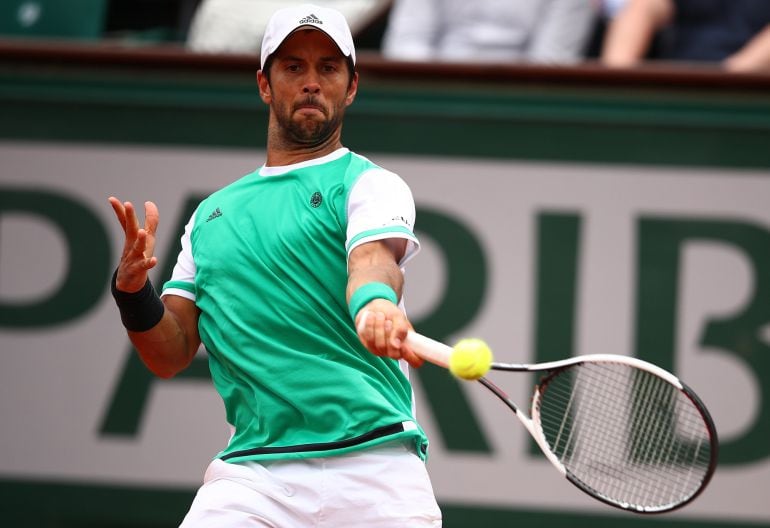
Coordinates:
(179, 292)
(184, 310)
(387, 252)
(381, 207)
(182, 281)
(186, 314)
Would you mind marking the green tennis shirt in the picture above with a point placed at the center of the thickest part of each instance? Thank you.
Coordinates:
(265, 260)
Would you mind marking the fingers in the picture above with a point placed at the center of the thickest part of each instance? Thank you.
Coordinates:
(382, 328)
(409, 355)
(151, 217)
(126, 215)
(136, 237)
(120, 211)
(374, 329)
(141, 250)
(137, 258)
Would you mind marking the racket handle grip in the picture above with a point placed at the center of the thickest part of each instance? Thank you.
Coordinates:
(429, 349)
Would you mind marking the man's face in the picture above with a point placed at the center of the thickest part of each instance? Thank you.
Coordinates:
(309, 87)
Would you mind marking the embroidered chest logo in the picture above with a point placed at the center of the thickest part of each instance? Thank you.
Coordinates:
(216, 214)
(316, 199)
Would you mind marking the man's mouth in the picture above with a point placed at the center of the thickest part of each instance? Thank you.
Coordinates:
(309, 107)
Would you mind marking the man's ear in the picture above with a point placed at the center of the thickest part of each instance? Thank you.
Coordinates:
(264, 87)
(352, 90)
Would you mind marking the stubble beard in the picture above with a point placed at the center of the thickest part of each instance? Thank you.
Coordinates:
(307, 132)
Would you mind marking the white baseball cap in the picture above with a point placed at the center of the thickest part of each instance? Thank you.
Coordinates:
(287, 20)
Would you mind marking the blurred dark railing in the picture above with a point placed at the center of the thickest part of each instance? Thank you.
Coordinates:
(669, 76)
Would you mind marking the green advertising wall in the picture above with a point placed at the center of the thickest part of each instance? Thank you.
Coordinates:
(700, 119)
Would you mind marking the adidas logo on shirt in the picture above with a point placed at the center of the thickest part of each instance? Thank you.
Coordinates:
(311, 19)
(216, 214)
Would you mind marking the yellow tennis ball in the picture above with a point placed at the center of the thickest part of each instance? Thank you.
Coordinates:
(471, 359)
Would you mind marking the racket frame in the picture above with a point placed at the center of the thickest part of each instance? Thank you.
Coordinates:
(439, 354)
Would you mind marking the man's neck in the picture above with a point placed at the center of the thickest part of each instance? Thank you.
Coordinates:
(281, 152)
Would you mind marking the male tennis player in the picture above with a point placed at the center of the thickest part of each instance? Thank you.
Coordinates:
(291, 277)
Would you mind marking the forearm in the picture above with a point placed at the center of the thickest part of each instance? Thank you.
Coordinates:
(164, 332)
(385, 273)
(631, 32)
(754, 56)
(375, 283)
(166, 349)
(375, 262)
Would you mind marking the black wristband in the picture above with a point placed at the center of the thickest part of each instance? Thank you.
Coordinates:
(139, 311)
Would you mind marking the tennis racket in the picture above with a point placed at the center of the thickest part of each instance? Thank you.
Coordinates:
(622, 430)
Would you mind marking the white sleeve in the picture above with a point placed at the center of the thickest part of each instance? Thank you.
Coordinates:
(381, 206)
(182, 282)
(561, 35)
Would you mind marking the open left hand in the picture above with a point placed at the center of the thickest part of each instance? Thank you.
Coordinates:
(137, 257)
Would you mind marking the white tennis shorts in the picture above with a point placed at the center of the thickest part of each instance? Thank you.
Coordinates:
(381, 487)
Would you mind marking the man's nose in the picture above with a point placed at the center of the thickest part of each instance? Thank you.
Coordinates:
(312, 86)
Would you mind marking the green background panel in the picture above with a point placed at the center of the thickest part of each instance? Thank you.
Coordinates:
(172, 100)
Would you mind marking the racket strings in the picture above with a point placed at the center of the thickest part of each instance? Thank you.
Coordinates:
(626, 434)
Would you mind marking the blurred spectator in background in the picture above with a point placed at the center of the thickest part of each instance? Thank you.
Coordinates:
(134, 21)
(147, 20)
(606, 11)
(610, 8)
(733, 33)
(237, 26)
(542, 31)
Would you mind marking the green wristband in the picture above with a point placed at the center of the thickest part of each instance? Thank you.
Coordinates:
(367, 293)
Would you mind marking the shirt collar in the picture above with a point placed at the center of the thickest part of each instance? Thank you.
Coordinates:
(283, 169)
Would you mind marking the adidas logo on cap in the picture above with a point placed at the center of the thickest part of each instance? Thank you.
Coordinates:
(310, 19)
(285, 21)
